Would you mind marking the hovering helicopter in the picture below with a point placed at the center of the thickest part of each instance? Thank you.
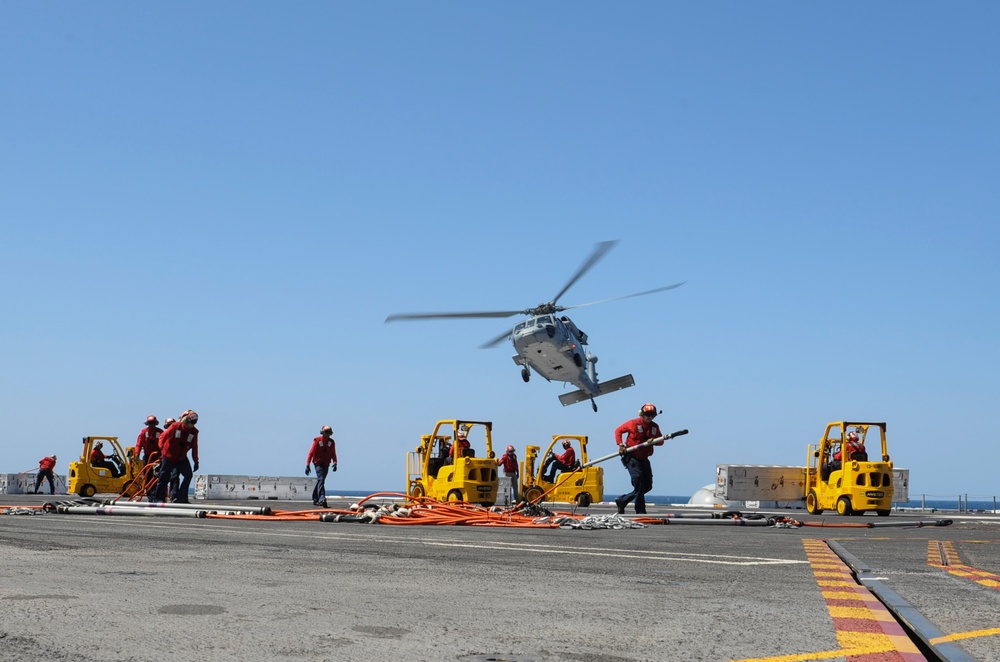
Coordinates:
(551, 344)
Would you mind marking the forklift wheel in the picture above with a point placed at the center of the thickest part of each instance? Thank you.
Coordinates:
(812, 504)
(882, 513)
(455, 495)
(417, 491)
(88, 490)
(532, 493)
(844, 506)
(583, 499)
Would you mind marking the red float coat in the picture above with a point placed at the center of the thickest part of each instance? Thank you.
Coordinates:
(322, 452)
(47, 463)
(638, 431)
(463, 445)
(508, 462)
(148, 441)
(96, 455)
(177, 440)
(567, 458)
(852, 447)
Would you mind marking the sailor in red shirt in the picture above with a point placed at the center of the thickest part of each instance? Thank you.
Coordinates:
(855, 451)
(175, 442)
(45, 467)
(635, 432)
(464, 446)
(100, 460)
(322, 453)
(148, 440)
(563, 462)
(509, 464)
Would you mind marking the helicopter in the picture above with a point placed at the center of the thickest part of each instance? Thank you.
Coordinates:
(550, 343)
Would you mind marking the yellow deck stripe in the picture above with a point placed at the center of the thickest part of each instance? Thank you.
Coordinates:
(966, 635)
(952, 563)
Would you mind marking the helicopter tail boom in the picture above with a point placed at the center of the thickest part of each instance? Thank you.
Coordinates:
(610, 386)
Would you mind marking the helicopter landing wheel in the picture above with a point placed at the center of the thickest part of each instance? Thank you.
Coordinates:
(525, 374)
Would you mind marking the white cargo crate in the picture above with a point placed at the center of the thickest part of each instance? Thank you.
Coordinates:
(760, 482)
(215, 486)
(900, 485)
(503, 491)
(25, 484)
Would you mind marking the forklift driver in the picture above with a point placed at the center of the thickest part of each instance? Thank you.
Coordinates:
(564, 462)
(464, 447)
(855, 451)
(98, 459)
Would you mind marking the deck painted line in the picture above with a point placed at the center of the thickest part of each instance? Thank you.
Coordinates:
(942, 554)
(865, 629)
(974, 634)
(903, 611)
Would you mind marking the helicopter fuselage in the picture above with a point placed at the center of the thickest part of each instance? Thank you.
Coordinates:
(556, 349)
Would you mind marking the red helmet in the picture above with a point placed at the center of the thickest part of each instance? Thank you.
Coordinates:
(325, 429)
(510, 449)
(648, 409)
(151, 420)
(190, 417)
(567, 443)
(167, 423)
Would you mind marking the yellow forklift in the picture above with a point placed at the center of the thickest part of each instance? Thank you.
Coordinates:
(116, 477)
(447, 467)
(840, 476)
(582, 487)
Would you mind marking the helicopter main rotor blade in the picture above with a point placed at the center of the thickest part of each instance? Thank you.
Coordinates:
(395, 317)
(496, 341)
(629, 296)
(598, 253)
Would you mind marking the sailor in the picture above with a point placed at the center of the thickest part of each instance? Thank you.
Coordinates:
(323, 456)
(147, 442)
(627, 435)
(464, 447)
(175, 442)
(855, 451)
(100, 460)
(562, 462)
(508, 463)
(45, 467)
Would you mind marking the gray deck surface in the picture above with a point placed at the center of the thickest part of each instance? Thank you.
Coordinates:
(81, 587)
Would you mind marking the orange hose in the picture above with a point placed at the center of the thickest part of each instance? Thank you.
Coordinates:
(422, 511)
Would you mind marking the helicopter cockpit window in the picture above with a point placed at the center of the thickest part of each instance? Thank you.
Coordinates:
(544, 319)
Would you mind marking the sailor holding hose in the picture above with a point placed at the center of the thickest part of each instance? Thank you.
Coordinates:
(633, 433)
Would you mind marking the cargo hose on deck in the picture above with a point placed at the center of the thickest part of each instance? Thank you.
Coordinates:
(878, 525)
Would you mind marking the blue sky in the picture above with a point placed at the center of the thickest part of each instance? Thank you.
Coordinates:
(216, 206)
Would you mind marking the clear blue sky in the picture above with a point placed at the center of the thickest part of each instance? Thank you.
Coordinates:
(215, 206)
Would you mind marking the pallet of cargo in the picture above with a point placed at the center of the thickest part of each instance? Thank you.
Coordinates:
(220, 486)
